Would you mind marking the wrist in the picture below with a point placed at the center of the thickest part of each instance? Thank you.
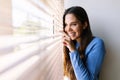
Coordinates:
(72, 50)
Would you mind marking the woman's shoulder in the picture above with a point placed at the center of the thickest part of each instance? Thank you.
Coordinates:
(96, 42)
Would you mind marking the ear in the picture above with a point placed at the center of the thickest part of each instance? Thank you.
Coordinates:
(85, 25)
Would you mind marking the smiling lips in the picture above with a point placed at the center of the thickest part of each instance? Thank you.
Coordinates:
(71, 34)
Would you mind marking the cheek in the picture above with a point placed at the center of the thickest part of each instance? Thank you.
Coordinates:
(65, 29)
(79, 31)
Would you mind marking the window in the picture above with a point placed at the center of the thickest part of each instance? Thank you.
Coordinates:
(29, 19)
(34, 51)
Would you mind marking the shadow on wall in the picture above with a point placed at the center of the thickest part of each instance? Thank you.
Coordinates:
(99, 29)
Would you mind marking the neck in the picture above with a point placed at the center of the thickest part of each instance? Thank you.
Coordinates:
(78, 40)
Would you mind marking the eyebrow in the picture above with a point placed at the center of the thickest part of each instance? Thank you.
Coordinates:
(75, 22)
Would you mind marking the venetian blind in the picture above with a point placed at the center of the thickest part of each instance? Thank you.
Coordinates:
(34, 51)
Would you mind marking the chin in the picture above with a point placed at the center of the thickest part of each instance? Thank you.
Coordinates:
(73, 38)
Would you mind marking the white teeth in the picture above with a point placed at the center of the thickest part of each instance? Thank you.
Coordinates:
(71, 34)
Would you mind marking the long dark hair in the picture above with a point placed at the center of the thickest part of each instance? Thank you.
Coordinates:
(86, 37)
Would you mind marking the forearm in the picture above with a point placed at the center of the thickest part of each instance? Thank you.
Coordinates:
(89, 70)
(80, 69)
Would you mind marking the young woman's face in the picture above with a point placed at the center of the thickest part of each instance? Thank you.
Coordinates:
(73, 27)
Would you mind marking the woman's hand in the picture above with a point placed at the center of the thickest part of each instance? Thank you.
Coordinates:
(68, 42)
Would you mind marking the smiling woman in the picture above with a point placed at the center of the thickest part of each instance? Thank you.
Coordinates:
(83, 52)
(73, 26)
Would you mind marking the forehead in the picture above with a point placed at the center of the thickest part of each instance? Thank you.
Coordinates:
(70, 18)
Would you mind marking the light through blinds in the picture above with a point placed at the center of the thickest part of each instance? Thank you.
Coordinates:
(34, 51)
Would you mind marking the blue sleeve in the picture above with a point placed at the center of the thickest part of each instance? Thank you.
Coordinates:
(94, 59)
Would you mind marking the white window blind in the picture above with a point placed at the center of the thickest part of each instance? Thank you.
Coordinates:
(34, 51)
(38, 58)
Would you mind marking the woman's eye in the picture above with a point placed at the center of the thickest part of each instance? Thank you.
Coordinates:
(74, 24)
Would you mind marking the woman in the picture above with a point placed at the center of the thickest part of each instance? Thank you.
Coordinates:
(83, 52)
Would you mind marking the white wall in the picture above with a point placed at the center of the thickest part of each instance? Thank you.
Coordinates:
(5, 17)
(104, 16)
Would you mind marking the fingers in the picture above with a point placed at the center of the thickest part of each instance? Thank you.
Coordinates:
(66, 41)
(65, 38)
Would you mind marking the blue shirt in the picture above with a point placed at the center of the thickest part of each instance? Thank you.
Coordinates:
(94, 54)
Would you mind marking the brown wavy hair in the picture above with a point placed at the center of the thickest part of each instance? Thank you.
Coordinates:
(86, 37)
